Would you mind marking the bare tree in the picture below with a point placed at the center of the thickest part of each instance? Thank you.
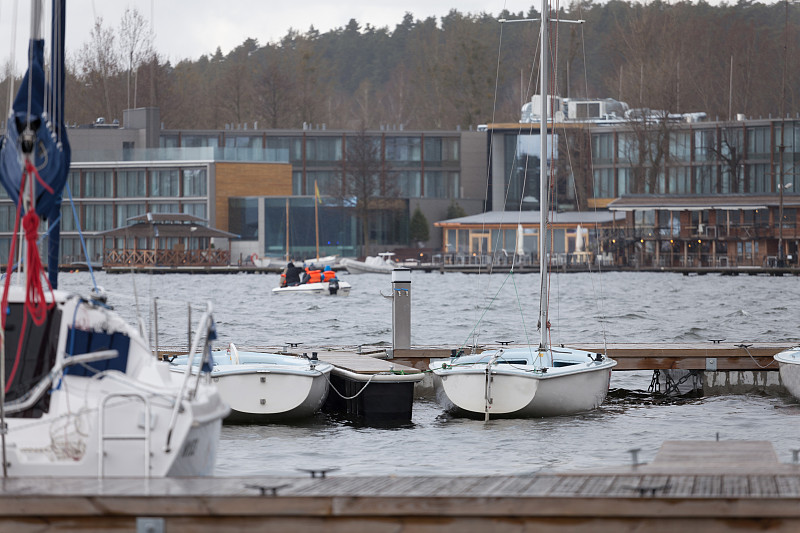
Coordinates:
(135, 41)
(99, 62)
(364, 181)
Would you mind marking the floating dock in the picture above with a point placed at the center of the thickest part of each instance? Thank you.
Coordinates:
(369, 388)
(691, 486)
(714, 355)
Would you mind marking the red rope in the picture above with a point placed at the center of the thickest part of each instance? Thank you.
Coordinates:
(36, 304)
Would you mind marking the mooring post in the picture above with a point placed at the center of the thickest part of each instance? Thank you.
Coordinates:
(401, 308)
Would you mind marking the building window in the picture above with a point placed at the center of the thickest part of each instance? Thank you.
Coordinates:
(409, 184)
(165, 208)
(198, 210)
(127, 211)
(704, 180)
(758, 142)
(603, 148)
(604, 183)
(681, 181)
(194, 182)
(401, 150)
(164, 182)
(131, 184)
(680, 145)
(759, 179)
(98, 217)
(324, 149)
(243, 217)
(98, 184)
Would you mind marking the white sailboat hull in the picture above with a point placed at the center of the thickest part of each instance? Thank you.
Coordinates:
(789, 365)
(465, 390)
(576, 391)
(519, 387)
(258, 394)
(117, 421)
(264, 387)
(322, 287)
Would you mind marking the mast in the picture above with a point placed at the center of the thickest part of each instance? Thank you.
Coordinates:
(543, 179)
(287, 229)
(316, 216)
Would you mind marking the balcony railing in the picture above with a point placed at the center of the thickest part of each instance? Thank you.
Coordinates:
(166, 258)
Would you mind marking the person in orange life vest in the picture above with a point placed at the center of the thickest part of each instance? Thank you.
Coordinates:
(314, 276)
(328, 274)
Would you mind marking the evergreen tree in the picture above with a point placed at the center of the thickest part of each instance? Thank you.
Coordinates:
(418, 227)
(454, 210)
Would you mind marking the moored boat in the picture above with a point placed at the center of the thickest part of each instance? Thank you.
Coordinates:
(263, 387)
(789, 367)
(379, 264)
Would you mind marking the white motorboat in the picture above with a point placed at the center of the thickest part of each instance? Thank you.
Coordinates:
(262, 262)
(86, 397)
(380, 264)
(334, 287)
(789, 367)
(263, 387)
(528, 381)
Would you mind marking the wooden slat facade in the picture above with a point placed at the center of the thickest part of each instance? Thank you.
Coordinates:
(248, 179)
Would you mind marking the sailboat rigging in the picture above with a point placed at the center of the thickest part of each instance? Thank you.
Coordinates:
(523, 381)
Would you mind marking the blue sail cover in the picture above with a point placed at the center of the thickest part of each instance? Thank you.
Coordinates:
(51, 151)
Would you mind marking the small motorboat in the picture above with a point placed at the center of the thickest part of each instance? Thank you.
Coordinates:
(380, 264)
(333, 287)
(265, 387)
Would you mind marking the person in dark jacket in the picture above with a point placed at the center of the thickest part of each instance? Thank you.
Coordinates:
(292, 275)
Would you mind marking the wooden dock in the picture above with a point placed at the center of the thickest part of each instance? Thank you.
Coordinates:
(713, 355)
(745, 489)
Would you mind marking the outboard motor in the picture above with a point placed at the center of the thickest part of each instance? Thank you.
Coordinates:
(333, 286)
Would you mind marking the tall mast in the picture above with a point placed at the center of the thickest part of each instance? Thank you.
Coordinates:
(543, 179)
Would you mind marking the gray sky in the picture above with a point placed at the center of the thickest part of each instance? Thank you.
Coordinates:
(187, 29)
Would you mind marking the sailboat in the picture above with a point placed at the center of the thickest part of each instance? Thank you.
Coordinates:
(81, 393)
(789, 367)
(527, 381)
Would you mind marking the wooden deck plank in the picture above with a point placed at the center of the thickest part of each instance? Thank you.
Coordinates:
(596, 485)
(788, 486)
(681, 486)
(364, 364)
(761, 486)
(735, 485)
(569, 485)
(725, 453)
(707, 486)
(541, 485)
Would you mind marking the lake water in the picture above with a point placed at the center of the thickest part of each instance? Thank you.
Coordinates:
(455, 309)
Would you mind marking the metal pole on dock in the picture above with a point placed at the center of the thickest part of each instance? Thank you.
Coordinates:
(401, 308)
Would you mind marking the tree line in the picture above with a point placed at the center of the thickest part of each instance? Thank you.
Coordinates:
(459, 70)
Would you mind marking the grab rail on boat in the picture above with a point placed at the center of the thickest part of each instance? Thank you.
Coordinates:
(30, 398)
(202, 333)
